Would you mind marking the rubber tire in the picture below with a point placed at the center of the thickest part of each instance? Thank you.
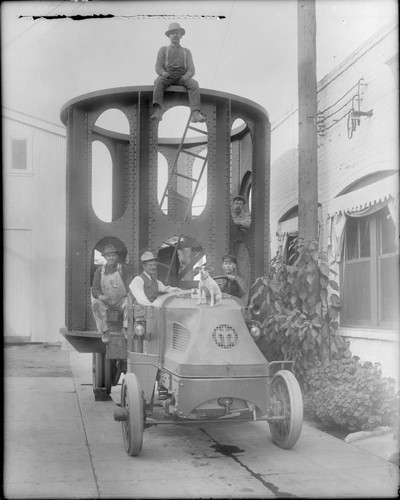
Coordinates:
(285, 434)
(132, 400)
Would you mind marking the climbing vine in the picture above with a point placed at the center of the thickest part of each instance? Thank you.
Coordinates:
(298, 309)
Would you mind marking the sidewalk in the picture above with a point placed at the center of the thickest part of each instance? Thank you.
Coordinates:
(51, 453)
(45, 447)
(383, 444)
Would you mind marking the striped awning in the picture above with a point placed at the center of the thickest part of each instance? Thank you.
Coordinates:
(365, 197)
(290, 226)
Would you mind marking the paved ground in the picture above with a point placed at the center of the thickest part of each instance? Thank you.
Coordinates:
(60, 443)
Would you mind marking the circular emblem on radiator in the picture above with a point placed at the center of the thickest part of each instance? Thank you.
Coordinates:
(225, 336)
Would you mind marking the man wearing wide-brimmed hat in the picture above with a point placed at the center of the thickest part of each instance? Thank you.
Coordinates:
(241, 218)
(146, 287)
(110, 290)
(174, 66)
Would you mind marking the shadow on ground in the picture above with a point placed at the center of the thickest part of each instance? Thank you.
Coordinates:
(36, 360)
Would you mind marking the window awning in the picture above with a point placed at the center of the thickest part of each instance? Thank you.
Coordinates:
(365, 197)
(290, 226)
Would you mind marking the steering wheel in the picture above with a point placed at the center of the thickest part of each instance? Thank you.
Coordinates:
(216, 278)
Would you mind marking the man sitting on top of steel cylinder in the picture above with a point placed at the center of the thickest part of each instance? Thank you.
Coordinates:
(146, 287)
(175, 67)
(241, 218)
(234, 284)
(110, 291)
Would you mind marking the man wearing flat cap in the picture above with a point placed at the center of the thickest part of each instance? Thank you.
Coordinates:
(234, 284)
(174, 66)
(146, 287)
(241, 218)
(110, 290)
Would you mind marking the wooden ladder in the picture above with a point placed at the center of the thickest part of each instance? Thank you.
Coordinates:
(174, 172)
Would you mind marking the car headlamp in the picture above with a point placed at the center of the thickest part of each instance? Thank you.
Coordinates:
(255, 332)
(139, 330)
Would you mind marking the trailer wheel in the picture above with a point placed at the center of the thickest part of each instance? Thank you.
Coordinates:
(102, 372)
(287, 401)
(107, 374)
(132, 401)
(98, 370)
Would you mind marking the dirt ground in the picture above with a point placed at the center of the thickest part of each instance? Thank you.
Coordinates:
(36, 360)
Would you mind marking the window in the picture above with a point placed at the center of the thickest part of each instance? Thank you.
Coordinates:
(289, 252)
(19, 155)
(370, 271)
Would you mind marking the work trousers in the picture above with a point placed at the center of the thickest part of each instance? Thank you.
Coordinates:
(162, 82)
(100, 309)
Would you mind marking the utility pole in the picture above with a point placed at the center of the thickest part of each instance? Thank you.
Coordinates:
(307, 94)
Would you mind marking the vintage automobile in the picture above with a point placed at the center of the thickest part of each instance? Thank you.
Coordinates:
(190, 363)
(140, 186)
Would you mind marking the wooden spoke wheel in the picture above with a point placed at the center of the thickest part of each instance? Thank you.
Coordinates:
(286, 401)
(132, 401)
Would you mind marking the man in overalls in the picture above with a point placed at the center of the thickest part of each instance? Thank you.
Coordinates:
(110, 291)
(175, 66)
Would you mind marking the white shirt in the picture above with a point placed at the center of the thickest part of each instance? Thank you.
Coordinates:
(137, 289)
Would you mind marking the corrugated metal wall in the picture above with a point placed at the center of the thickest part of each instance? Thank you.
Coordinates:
(17, 282)
(34, 204)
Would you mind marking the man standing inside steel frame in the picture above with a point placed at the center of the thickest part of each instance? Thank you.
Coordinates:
(175, 67)
(146, 287)
(241, 218)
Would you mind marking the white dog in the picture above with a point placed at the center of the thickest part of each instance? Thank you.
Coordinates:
(209, 286)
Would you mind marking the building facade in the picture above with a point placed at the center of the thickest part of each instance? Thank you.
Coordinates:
(358, 192)
(33, 228)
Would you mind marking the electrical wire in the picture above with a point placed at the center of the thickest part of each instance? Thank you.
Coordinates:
(344, 105)
(31, 26)
(36, 41)
(335, 122)
(344, 95)
(223, 43)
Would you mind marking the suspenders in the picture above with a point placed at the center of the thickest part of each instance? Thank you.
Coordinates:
(119, 269)
(167, 56)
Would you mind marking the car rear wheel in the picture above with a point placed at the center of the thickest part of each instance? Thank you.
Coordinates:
(132, 402)
(286, 401)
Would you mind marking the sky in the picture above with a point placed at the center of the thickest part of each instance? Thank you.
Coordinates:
(247, 48)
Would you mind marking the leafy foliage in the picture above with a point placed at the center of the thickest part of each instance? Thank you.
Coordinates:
(351, 394)
(297, 306)
(299, 309)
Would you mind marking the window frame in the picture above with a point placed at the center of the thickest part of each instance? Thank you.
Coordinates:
(29, 156)
(375, 258)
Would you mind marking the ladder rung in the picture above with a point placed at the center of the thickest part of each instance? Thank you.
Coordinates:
(198, 129)
(193, 154)
(186, 177)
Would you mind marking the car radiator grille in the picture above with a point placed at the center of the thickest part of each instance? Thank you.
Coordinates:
(180, 337)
